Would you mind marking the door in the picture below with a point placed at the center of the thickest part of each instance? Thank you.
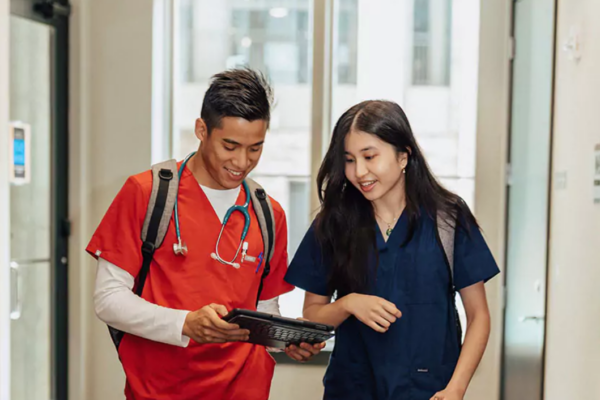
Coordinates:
(38, 199)
(528, 200)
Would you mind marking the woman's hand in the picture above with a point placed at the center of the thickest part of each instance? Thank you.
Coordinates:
(449, 394)
(373, 311)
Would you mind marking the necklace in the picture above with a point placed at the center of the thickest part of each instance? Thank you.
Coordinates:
(389, 229)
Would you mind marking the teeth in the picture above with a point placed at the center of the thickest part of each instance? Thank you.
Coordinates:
(367, 183)
(234, 172)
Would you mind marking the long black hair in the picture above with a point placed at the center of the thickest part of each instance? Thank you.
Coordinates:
(345, 224)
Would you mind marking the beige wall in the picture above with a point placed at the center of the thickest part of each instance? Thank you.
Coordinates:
(111, 62)
(4, 206)
(111, 58)
(573, 326)
(490, 180)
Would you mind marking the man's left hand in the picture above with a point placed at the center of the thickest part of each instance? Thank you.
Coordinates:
(304, 352)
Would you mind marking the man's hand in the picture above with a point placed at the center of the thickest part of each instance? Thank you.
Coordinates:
(304, 352)
(206, 326)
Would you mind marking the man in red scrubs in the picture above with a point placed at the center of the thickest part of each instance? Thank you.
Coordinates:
(176, 344)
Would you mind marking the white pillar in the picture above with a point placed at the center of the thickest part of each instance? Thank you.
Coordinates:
(4, 206)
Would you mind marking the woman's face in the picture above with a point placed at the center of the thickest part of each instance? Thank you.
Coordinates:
(373, 166)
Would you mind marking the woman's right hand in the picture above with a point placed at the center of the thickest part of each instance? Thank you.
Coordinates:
(372, 311)
(206, 326)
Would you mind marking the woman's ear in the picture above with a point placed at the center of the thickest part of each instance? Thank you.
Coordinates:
(403, 160)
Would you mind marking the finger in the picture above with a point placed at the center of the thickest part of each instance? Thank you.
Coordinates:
(381, 322)
(312, 349)
(293, 355)
(222, 325)
(391, 308)
(376, 327)
(305, 355)
(220, 309)
(229, 336)
(386, 315)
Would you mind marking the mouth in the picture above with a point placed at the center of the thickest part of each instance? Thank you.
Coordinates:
(367, 186)
(235, 175)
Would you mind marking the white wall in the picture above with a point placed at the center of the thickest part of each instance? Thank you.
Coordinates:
(111, 61)
(4, 206)
(573, 326)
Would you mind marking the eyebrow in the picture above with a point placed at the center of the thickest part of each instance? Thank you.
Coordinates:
(233, 142)
(363, 150)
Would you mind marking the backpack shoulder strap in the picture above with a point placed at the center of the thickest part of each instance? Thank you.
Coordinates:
(446, 230)
(266, 219)
(165, 183)
(446, 227)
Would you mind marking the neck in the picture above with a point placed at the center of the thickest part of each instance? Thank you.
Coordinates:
(391, 205)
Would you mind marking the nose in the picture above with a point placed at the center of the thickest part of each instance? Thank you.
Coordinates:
(361, 169)
(241, 161)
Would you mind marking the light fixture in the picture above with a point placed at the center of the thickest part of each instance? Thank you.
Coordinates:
(278, 12)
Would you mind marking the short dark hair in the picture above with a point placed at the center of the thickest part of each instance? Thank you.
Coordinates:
(243, 93)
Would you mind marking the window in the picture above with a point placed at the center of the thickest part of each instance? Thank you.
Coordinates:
(272, 36)
(421, 54)
(432, 36)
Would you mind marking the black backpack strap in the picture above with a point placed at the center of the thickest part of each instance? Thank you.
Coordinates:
(165, 182)
(266, 219)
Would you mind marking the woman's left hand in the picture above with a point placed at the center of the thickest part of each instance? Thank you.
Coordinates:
(448, 394)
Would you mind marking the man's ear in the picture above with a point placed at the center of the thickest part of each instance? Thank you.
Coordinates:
(201, 130)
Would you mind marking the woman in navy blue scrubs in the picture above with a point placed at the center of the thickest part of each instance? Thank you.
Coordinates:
(374, 250)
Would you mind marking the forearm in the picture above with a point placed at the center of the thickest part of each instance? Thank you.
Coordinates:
(476, 338)
(116, 305)
(331, 314)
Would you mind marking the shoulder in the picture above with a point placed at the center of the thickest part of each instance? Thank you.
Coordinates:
(137, 187)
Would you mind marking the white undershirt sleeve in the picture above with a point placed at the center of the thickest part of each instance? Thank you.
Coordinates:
(119, 307)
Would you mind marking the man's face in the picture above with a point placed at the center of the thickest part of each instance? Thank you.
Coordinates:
(232, 150)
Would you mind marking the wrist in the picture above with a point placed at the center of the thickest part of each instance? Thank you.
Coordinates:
(456, 388)
(346, 303)
(186, 325)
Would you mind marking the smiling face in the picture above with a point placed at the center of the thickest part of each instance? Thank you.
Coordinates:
(230, 151)
(373, 166)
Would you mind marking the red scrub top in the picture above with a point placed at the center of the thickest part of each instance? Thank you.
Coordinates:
(200, 371)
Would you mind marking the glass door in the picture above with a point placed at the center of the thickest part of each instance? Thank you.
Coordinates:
(528, 200)
(38, 198)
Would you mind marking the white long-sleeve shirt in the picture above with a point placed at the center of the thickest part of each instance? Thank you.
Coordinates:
(117, 305)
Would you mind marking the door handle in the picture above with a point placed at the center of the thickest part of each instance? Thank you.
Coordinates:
(15, 293)
(536, 318)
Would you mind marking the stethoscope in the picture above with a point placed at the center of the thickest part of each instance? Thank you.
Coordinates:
(180, 248)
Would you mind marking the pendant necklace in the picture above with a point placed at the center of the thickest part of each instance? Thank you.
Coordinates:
(390, 228)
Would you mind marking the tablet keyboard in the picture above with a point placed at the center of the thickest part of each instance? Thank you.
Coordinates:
(285, 334)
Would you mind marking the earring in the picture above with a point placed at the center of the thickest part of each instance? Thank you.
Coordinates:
(404, 170)
(344, 187)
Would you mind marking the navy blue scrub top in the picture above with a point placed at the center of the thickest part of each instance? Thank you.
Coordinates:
(416, 357)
